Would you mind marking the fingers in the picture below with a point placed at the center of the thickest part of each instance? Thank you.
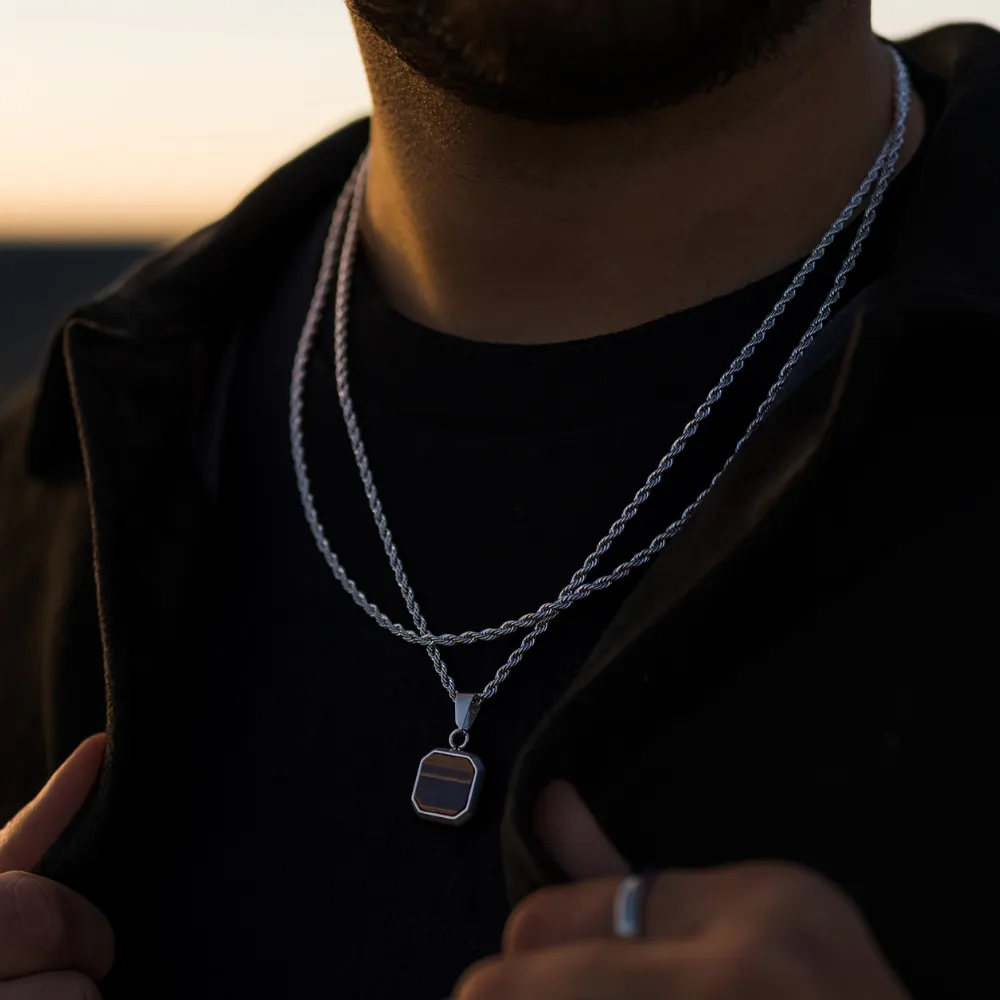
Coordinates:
(561, 915)
(597, 970)
(39, 824)
(573, 837)
(757, 929)
(676, 906)
(45, 926)
(50, 986)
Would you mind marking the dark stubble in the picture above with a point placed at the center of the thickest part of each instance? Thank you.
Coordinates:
(573, 60)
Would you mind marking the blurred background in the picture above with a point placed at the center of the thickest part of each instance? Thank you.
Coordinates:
(125, 124)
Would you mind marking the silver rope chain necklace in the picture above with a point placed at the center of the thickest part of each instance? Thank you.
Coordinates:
(449, 779)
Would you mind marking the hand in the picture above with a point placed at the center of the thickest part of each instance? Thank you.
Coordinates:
(54, 944)
(760, 931)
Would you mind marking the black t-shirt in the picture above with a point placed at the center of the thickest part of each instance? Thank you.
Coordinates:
(499, 467)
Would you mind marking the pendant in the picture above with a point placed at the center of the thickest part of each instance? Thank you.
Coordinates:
(449, 780)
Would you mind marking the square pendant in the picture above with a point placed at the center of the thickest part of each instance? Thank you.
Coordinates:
(447, 786)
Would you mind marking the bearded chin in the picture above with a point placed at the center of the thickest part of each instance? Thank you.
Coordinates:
(573, 60)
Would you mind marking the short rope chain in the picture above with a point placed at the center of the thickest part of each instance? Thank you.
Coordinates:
(342, 241)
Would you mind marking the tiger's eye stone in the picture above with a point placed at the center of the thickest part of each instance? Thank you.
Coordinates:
(447, 786)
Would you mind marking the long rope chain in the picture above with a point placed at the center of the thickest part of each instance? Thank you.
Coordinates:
(343, 238)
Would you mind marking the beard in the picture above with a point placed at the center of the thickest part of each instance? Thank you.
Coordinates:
(575, 60)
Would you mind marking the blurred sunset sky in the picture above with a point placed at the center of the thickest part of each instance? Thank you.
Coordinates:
(143, 119)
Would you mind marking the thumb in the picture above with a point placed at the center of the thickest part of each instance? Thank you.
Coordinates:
(573, 837)
(39, 824)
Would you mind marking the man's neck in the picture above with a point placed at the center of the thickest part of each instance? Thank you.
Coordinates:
(501, 230)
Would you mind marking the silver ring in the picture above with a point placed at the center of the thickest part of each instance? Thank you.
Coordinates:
(629, 919)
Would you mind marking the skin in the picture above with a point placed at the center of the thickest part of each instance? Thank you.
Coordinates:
(576, 60)
(54, 944)
(759, 931)
(488, 226)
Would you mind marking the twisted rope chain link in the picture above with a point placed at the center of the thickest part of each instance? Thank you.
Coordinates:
(343, 239)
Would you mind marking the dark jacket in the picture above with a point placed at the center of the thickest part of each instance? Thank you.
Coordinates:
(802, 673)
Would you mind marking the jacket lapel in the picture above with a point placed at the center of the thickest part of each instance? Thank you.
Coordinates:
(137, 409)
(133, 400)
(943, 277)
(782, 452)
(938, 268)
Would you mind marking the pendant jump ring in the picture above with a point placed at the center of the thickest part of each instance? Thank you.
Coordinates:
(459, 739)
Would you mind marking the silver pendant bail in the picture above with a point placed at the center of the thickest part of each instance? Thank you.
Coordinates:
(466, 710)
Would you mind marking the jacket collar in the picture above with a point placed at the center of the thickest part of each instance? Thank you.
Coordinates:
(192, 297)
(948, 249)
